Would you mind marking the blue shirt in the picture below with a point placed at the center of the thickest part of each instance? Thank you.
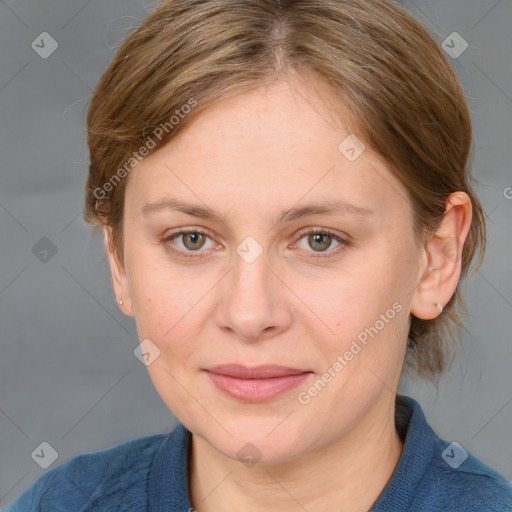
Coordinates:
(150, 474)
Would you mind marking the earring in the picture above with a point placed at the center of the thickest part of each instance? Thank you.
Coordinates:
(439, 306)
(120, 302)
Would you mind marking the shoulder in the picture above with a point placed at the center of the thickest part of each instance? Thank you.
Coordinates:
(448, 476)
(118, 472)
(457, 480)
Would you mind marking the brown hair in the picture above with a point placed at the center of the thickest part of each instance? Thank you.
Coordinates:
(404, 99)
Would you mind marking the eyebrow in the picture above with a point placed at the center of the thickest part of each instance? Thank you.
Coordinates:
(330, 207)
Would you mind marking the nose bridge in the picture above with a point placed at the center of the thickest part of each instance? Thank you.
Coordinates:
(250, 303)
(251, 287)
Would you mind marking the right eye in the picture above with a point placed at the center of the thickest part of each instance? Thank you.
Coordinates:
(193, 241)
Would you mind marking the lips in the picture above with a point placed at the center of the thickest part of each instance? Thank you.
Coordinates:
(255, 372)
(255, 384)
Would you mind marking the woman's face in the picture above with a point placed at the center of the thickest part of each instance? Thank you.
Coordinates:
(256, 290)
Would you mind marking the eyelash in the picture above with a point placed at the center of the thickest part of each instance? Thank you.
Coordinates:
(309, 231)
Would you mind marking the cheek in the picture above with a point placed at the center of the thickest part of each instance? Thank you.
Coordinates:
(167, 306)
(367, 310)
(169, 316)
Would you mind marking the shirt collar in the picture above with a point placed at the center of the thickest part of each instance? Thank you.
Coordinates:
(418, 450)
(168, 484)
(168, 479)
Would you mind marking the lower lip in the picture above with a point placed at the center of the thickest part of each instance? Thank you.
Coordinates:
(256, 390)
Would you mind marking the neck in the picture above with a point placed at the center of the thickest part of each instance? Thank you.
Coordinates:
(351, 472)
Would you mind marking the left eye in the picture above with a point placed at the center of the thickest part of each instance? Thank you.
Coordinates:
(321, 240)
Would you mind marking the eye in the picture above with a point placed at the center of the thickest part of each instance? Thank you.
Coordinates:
(320, 239)
(193, 240)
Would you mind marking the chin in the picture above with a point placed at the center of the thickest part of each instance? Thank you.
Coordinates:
(257, 442)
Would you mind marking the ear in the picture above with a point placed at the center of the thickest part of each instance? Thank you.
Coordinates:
(118, 273)
(442, 263)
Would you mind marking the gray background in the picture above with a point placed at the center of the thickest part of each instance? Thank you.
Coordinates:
(68, 375)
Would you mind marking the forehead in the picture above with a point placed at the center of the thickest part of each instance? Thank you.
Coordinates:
(261, 151)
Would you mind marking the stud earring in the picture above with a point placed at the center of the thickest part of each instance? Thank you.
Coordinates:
(438, 306)
(120, 302)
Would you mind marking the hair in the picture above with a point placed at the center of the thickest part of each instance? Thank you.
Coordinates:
(404, 101)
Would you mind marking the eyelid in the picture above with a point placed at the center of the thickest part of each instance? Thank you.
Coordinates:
(300, 235)
(343, 242)
(185, 231)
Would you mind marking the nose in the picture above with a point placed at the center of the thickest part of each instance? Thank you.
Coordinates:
(253, 301)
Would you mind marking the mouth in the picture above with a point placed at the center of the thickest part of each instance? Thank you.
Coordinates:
(256, 384)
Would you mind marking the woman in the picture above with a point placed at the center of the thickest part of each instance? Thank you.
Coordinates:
(287, 209)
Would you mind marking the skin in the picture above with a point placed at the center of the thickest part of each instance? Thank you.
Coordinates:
(249, 157)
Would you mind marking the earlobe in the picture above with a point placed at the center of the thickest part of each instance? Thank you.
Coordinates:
(118, 276)
(443, 259)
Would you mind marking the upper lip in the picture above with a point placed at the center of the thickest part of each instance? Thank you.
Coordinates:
(255, 372)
